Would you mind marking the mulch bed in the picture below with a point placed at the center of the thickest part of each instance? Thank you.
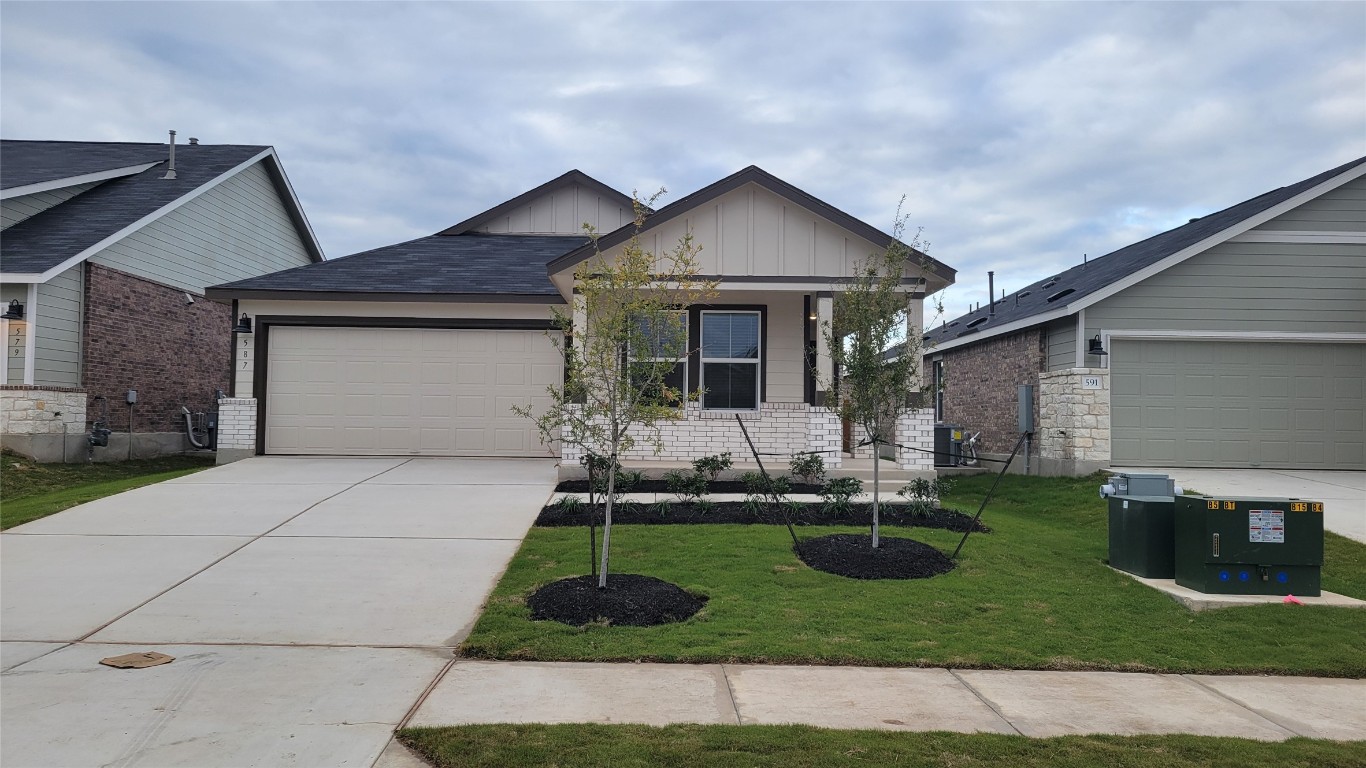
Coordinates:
(628, 601)
(853, 555)
(661, 486)
(737, 513)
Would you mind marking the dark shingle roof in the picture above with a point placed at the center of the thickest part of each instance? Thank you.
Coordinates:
(55, 235)
(33, 162)
(1085, 279)
(469, 264)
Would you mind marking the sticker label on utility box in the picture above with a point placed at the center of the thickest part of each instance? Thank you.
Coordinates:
(1266, 526)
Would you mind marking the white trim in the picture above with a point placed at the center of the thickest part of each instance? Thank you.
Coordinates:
(1296, 336)
(31, 339)
(1295, 236)
(757, 361)
(71, 181)
(1134, 278)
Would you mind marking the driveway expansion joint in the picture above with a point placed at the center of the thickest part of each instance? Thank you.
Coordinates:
(730, 691)
(990, 704)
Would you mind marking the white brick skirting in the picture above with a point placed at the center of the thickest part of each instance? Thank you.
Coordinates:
(1074, 423)
(39, 411)
(237, 423)
(914, 429)
(784, 429)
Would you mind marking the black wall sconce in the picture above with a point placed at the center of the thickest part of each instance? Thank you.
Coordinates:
(15, 311)
(1095, 347)
(243, 324)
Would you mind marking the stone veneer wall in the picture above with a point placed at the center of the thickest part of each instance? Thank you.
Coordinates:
(1074, 423)
(784, 429)
(42, 423)
(236, 428)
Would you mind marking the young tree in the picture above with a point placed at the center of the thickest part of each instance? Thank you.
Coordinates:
(623, 339)
(871, 318)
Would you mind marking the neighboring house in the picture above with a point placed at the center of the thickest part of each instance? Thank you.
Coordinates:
(1235, 340)
(104, 258)
(422, 348)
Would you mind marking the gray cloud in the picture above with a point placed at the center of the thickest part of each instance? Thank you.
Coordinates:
(1021, 134)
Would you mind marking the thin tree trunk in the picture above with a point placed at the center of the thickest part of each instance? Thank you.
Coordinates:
(592, 523)
(877, 460)
(607, 518)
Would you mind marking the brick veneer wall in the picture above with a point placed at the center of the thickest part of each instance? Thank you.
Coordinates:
(979, 386)
(142, 335)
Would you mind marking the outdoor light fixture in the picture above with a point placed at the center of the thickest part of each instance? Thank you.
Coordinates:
(243, 324)
(15, 311)
(1095, 347)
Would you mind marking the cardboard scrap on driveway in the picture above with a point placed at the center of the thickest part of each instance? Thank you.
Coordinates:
(137, 660)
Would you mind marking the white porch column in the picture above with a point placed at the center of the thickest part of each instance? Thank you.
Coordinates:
(825, 366)
(915, 321)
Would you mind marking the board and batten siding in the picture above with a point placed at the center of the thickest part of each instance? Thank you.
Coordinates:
(1341, 210)
(1297, 287)
(236, 230)
(57, 336)
(1060, 339)
(16, 333)
(751, 231)
(17, 209)
(562, 211)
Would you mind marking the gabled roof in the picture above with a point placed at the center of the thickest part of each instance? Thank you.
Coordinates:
(572, 177)
(1085, 284)
(51, 241)
(469, 267)
(756, 175)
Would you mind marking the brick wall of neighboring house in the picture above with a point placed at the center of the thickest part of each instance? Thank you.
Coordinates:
(142, 335)
(980, 386)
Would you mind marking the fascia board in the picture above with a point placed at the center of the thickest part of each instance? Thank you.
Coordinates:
(71, 181)
(151, 217)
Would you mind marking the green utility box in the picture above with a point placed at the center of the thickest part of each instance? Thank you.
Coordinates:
(1243, 546)
(1142, 540)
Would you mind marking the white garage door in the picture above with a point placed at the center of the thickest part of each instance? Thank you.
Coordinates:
(1238, 404)
(406, 391)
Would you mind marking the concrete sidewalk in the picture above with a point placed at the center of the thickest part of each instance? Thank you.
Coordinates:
(1028, 703)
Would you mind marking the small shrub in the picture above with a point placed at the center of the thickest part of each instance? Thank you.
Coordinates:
(629, 479)
(660, 508)
(924, 494)
(570, 504)
(686, 485)
(761, 487)
(705, 505)
(753, 505)
(598, 467)
(711, 466)
(807, 467)
(839, 492)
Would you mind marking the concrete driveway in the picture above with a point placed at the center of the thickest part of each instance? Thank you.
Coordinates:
(1343, 493)
(309, 602)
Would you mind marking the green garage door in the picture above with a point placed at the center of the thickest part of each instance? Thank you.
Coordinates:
(1237, 404)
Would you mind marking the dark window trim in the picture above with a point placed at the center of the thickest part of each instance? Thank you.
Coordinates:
(808, 353)
(264, 323)
(695, 343)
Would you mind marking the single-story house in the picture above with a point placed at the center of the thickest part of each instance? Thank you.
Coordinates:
(104, 257)
(422, 348)
(1235, 340)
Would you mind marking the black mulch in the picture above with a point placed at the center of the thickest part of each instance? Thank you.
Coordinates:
(629, 600)
(738, 513)
(852, 555)
(661, 486)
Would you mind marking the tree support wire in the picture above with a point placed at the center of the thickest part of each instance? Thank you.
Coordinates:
(990, 493)
(768, 485)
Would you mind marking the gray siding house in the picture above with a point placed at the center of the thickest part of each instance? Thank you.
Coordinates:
(105, 255)
(1236, 340)
(424, 347)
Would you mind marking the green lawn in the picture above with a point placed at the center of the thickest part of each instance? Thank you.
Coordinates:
(754, 746)
(1034, 594)
(29, 490)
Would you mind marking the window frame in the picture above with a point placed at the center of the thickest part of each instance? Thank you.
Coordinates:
(687, 335)
(757, 361)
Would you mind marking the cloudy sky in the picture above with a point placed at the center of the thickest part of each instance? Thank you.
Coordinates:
(1022, 135)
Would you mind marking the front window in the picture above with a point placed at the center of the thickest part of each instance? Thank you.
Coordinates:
(730, 361)
(663, 352)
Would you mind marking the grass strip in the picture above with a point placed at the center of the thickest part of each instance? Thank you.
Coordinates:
(29, 491)
(789, 746)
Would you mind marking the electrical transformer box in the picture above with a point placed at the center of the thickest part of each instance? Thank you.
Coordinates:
(1141, 536)
(1246, 546)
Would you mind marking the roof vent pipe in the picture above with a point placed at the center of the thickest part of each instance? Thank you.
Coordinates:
(991, 291)
(194, 142)
(170, 169)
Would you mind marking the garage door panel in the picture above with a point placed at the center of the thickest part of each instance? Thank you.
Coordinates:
(1274, 404)
(376, 391)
